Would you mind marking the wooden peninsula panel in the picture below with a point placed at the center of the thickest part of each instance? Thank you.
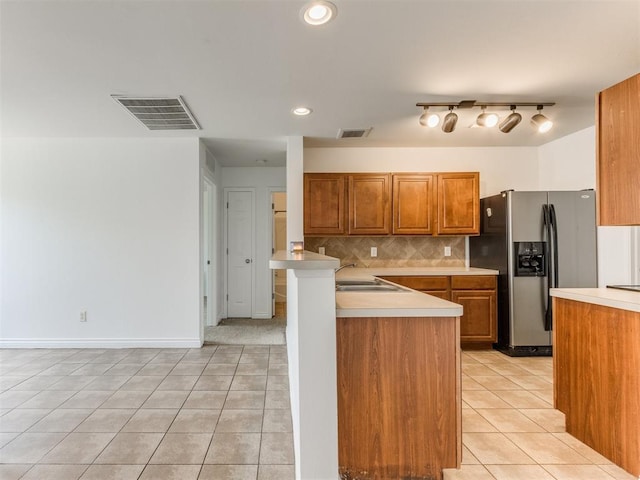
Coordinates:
(596, 359)
(399, 405)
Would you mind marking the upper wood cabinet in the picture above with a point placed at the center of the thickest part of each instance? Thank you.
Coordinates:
(413, 204)
(458, 203)
(398, 204)
(618, 153)
(324, 204)
(369, 206)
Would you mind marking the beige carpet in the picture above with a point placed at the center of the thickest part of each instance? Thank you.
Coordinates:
(246, 331)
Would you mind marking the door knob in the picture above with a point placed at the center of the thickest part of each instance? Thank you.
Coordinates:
(247, 260)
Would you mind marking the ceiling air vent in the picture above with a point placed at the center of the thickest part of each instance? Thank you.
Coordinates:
(159, 113)
(354, 133)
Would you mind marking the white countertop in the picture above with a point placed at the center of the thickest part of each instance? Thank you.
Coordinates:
(302, 261)
(408, 303)
(358, 273)
(607, 297)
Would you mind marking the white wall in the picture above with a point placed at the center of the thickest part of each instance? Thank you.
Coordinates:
(262, 180)
(500, 167)
(106, 225)
(569, 163)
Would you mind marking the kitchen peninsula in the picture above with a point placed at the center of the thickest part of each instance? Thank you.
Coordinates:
(391, 361)
(399, 400)
(596, 367)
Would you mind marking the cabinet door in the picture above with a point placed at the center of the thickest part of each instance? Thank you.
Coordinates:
(324, 204)
(369, 209)
(618, 154)
(458, 204)
(478, 322)
(413, 204)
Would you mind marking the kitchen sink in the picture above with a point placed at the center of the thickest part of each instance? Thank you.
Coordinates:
(367, 286)
(358, 282)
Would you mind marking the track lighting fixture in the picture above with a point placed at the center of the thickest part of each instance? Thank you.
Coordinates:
(541, 123)
(429, 120)
(486, 119)
(510, 122)
(450, 120)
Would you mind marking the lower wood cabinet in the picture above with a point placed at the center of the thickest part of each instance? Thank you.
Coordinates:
(596, 379)
(399, 397)
(476, 293)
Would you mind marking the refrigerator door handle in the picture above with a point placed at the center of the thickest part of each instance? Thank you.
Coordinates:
(548, 314)
(553, 264)
(554, 230)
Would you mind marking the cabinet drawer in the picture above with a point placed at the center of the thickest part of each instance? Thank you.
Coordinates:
(443, 294)
(421, 283)
(473, 282)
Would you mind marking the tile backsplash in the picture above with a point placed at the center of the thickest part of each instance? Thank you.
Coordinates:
(392, 251)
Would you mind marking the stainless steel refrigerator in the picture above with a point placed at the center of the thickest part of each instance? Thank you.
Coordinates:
(537, 241)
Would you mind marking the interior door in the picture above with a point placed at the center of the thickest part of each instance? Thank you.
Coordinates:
(239, 253)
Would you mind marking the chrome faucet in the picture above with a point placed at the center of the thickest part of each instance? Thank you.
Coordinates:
(345, 266)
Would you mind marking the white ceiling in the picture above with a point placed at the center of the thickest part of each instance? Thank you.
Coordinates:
(242, 65)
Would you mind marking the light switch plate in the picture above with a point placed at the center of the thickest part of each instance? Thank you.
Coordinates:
(321, 250)
(447, 251)
(374, 251)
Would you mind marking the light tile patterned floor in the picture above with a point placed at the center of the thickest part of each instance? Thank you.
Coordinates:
(511, 430)
(222, 412)
(219, 412)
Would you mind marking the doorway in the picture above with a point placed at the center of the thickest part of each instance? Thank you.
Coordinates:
(279, 242)
(240, 252)
(209, 303)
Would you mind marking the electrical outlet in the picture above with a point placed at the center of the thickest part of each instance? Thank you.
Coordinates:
(83, 315)
(321, 250)
(447, 251)
(374, 251)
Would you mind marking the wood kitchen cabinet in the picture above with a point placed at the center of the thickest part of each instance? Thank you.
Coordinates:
(596, 380)
(618, 153)
(396, 204)
(438, 286)
(399, 397)
(325, 204)
(458, 206)
(476, 293)
(413, 199)
(369, 204)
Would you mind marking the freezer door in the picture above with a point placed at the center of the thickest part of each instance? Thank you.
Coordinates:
(527, 294)
(576, 227)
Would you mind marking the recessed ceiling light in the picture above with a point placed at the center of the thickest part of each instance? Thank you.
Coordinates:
(301, 111)
(318, 12)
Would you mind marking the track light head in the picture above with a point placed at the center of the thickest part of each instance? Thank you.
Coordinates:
(487, 119)
(511, 121)
(429, 120)
(541, 123)
(449, 122)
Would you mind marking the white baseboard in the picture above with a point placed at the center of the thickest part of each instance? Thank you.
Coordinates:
(100, 343)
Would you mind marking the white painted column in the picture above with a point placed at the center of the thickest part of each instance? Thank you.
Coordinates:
(311, 346)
